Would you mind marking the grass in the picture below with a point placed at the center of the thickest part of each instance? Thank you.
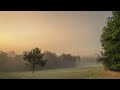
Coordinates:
(75, 73)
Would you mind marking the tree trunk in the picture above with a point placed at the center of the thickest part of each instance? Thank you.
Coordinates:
(33, 68)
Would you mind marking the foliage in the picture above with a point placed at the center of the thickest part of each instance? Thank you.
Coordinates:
(61, 61)
(34, 57)
(3, 58)
(16, 63)
(52, 59)
(110, 39)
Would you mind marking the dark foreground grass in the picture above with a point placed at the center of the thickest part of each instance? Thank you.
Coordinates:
(75, 73)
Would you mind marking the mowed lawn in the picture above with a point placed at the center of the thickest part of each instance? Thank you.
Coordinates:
(75, 73)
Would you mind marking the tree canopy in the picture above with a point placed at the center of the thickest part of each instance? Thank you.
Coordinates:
(3, 58)
(110, 39)
(34, 57)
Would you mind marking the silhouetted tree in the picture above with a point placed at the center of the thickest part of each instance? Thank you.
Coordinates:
(62, 61)
(34, 57)
(52, 59)
(110, 39)
(67, 60)
(3, 58)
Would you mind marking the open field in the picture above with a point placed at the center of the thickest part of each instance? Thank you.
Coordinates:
(76, 73)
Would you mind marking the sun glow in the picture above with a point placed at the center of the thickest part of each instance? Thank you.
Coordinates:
(56, 31)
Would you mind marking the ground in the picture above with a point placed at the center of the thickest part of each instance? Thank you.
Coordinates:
(75, 73)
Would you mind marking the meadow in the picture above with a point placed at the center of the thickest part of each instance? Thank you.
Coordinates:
(71, 73)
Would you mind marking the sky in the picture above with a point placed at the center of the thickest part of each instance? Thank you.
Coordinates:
(74, 32)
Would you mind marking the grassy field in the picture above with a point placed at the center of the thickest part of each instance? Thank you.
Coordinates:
(76, 73)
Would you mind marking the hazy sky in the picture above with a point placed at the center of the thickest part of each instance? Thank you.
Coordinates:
(75, 32)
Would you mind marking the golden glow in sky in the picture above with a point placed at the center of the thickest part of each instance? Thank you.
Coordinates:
(75, 32)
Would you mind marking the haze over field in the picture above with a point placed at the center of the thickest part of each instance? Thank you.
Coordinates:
(59, 44)
(74, 32)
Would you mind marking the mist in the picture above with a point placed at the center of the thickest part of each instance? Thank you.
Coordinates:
(75, 32)
(13, 62)
(67, 39)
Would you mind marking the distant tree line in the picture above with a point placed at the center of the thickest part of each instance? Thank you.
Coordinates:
(61, 61)
(38, 60)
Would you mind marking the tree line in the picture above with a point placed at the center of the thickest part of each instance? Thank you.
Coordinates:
(36, 60)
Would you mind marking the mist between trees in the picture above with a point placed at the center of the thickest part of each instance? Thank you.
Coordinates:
(14, 62)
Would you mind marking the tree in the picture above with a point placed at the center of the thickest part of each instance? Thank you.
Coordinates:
(67, 60)
(34, 57)
(110, 39)
(53, 59)
(3, 58)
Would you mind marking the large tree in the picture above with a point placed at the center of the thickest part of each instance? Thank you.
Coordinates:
(110, 39)
(34, 57)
